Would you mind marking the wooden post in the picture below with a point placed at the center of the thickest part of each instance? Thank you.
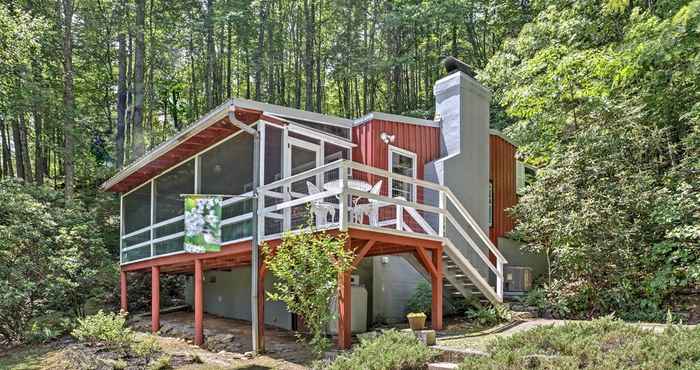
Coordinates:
(198, 303)
(155, 299)
(436, 281)
(344, 312)
(123, 290)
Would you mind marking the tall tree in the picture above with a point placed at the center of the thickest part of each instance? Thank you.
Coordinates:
(121, 86)
(139, 52)
(68, 100)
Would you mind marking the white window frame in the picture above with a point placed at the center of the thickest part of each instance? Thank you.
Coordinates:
(414, 170)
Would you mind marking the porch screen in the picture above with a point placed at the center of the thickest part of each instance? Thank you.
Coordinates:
(168, 189)
(228, 167)
(137, 209)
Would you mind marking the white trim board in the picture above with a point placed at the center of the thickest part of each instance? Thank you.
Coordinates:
(395, 118)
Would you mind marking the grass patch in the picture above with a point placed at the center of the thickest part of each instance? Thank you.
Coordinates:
(25, 358)
(390, 351)
(601, 344)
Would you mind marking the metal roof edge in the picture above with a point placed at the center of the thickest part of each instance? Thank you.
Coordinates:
(395, 118)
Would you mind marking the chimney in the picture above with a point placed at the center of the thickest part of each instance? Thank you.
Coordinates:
(462, 109)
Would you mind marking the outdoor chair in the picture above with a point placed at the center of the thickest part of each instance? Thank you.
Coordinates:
(319, 207)
(370, 209)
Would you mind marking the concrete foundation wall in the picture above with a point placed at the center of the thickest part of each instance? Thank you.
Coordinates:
(395, 281)
(227, 294)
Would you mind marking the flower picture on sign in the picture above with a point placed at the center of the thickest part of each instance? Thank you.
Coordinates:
(202, 224)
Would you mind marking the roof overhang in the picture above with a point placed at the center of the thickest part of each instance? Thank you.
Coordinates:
(220, 123)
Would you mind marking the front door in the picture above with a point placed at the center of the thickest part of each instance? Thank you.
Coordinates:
(301, 156)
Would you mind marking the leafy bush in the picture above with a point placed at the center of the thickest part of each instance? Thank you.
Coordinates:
(146, 346)
(53, 259)
(307, 266)
(392, 350)
(490, 315)
(605, 343)
(108, 328)
(422, 298)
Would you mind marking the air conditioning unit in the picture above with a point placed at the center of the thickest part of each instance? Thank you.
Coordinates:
(518, 279)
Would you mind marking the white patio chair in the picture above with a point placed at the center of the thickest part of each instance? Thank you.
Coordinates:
(371, 209)
(320, 208)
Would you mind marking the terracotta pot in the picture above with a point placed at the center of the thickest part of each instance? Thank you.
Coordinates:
(416, 322)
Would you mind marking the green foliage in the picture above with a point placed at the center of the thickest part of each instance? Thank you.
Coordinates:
(163, 362)
(392, 350)
(107, 328)
(307, 266)
(601, 344)
(422, 298)
(53, 261)
(607, 104)
(488, 316)
(146, 346)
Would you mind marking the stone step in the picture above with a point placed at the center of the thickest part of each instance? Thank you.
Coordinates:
(443, 366)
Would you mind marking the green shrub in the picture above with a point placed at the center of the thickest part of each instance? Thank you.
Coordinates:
(163, 362)
(392, 350)
(146, 346)
(108, 328)
(491, 315)
(600, 344)
(54, 259)
(422, 298)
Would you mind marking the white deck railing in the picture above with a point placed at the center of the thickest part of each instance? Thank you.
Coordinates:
(402, 205)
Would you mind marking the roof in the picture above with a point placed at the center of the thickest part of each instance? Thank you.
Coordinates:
(215, 126)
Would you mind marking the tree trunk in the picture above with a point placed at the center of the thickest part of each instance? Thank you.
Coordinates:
(309, 54)
(121, 91)
(68, 99)
(259, 51)
(228, 59)
(37, 108)
(17, 141)
(138, 140)
(7, 169)
(27, 164)
(209, 78)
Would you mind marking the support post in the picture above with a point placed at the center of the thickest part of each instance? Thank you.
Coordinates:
(123, 291)
(436, 281)
(155, 299)
(198, 303)
(344, 312)
(261, 309)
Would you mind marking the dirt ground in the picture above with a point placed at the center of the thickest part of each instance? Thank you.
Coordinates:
(229, 335)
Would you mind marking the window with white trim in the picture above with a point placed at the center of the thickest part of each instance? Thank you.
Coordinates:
(402, 162)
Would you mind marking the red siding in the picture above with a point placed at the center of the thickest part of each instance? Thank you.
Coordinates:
(502, 175)
(372, 151)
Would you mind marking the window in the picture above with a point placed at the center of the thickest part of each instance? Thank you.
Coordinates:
(402, 162)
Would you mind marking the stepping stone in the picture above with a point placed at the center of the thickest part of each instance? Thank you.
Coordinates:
(443, 366)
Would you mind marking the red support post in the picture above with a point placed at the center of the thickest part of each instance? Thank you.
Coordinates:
(344, 312)
(123, 291)
(155, 299)
(436, 282)
(198, 303)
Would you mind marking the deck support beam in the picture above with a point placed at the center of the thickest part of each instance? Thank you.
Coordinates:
(436, 282)
(123, 291)
(198, 303)
(344, 312)
(155, 299)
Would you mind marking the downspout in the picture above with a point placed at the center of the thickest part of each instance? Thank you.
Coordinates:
(235, 116)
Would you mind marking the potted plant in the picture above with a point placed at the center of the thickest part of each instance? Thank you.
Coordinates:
(416, 320)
